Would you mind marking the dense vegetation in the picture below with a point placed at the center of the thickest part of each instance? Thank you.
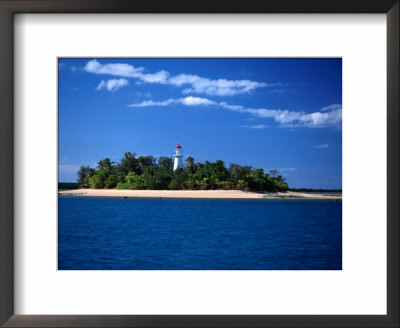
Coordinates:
(68, 185)
(148, 172)
(315, 190)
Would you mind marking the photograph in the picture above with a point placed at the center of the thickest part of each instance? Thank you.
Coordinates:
(199, 163)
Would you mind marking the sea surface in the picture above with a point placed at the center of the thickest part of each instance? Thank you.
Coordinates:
(106, 233)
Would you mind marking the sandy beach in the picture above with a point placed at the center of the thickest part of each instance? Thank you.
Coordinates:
(227, 194)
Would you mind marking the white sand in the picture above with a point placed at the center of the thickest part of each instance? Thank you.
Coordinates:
(197, 194)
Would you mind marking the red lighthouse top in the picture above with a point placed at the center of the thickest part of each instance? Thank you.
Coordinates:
(178, 146)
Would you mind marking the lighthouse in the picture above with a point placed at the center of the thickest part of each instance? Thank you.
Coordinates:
(178, 157)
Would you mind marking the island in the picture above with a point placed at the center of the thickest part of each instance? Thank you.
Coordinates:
(149, 176)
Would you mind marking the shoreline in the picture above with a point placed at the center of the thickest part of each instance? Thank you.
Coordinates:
(209, 194)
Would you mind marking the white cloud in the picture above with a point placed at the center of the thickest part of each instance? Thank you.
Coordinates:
(280, 116)
(188, 101)
(93, 66)
(287, 169)
(231, 107)
(192, 101)
(258, 126)
(181, 79)
(318, 119)
(193, 83)
(159, 77)
(151, 103)
(219, 87)
(101, 85)
(331, 107)
(322, 146)
(290, 119)
(125, 70)
(112, 84)
(286, 118)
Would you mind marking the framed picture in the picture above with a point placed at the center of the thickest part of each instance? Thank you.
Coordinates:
(206, 205)
(199, 182)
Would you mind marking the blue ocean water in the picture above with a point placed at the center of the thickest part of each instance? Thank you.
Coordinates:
(99, 233)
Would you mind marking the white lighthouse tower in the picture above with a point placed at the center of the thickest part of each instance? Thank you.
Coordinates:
(178, 157)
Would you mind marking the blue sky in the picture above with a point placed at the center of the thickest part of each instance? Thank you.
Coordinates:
(283, 114)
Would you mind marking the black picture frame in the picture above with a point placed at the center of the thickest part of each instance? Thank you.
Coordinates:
(10, 7)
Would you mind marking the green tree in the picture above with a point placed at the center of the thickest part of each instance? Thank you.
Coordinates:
(98, 180)
(227, 185)
(106, 165)
(256, 180)
(111, 181)
(122, 186)
(242, 185)
(162, 176)
(238, 172)
(166, 162)
(157, 177)
(192, 181)
(84, 173)
(145, 173)
(129, 163)
(203, 183)
(135, 181)
(146, 161)
(178, 180)
(190, 164)
(273, 173)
